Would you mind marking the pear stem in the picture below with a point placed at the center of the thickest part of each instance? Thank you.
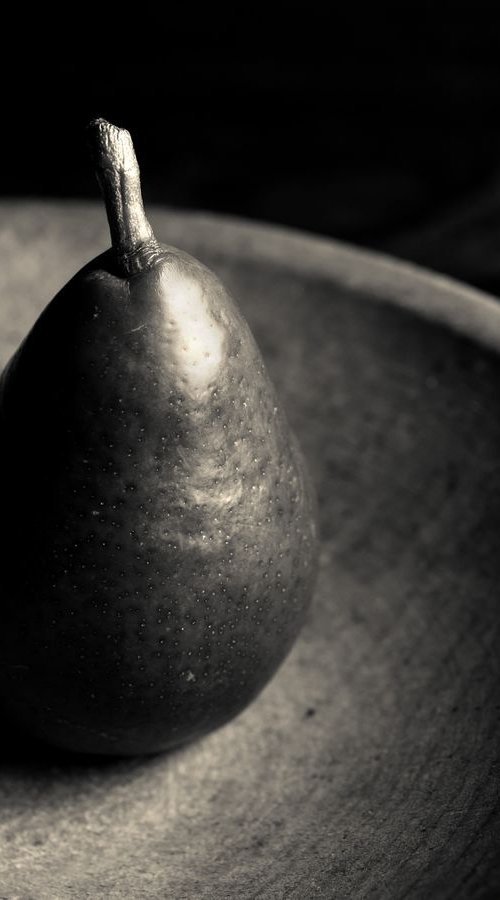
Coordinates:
(118, 175)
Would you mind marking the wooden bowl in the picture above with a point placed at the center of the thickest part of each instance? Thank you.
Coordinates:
(369, 765)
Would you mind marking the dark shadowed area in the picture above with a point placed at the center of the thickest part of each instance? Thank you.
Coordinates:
(369, 123)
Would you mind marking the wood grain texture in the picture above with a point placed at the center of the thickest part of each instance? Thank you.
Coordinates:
(369, 766)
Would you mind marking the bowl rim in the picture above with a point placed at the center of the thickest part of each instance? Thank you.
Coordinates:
(382, 278)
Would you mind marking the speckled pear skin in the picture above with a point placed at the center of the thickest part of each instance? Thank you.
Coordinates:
(158, 526)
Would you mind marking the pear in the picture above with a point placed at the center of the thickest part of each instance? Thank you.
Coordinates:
(158, 537)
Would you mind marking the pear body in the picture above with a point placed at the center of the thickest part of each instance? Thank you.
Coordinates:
(158, 533)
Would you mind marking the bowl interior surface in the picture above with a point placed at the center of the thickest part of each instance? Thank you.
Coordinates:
(369, 765)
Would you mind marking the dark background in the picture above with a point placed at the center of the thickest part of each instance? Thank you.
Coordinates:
(375, 124)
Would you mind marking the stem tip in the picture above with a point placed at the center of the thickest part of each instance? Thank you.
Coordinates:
(110, 147)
